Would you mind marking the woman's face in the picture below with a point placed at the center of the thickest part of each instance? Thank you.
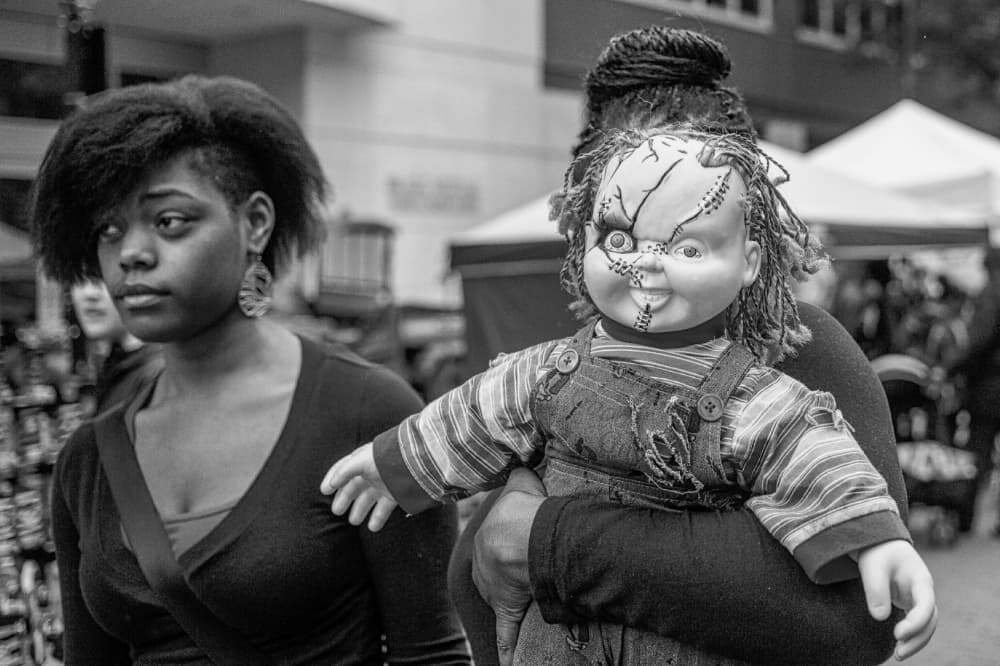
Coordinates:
(173, 252)
(666, 246)
(95, 311)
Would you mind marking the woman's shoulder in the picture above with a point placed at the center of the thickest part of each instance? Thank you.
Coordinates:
(358, 385)
(79, 455)
(346, 366)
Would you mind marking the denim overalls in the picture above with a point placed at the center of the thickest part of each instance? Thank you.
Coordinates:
(612, 432)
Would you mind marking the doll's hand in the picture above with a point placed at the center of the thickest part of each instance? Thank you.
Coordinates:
(359, 487)
(894, 575)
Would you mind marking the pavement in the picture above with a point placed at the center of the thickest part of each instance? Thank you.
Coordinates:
(967, 584)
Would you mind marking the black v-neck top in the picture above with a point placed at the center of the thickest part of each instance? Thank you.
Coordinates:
(301, 583)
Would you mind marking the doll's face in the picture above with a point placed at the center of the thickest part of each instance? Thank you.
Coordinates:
(666, 245)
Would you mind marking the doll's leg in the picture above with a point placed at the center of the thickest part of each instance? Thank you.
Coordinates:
(558, 645)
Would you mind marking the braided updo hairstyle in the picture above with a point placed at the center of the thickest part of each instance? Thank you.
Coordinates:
(671, 78)
(660, 75)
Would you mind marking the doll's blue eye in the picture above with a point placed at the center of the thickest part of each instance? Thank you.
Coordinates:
(619, 241)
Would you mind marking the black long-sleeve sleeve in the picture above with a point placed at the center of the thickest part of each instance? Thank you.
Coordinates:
(717, 580)
(419, 627)
(84, 642)
(720, 581)
(408, 558)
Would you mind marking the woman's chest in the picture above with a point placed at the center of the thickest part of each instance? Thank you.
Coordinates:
(290, 564)
(198, 457)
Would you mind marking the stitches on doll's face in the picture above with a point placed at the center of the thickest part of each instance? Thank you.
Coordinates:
(666, 245)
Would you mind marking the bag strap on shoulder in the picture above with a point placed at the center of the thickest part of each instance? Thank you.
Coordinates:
(151, 545)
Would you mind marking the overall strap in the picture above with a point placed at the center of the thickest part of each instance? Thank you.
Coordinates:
(577, 347)
(581, 339)
(151, 545)
(713, 393)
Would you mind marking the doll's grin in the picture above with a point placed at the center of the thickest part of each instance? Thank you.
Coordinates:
(651, 298)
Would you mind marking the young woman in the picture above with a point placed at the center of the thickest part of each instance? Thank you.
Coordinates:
(188, 522)
(742, 596)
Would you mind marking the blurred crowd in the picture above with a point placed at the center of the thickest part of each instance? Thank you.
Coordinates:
(43, 398)
(936, 347)
(49, 383)
(898, 307)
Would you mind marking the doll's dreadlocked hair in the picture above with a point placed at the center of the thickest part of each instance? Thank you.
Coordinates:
(233, 133)
(764, 316)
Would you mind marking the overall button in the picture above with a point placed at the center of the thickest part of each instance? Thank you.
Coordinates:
(567, 361)
(710, 407)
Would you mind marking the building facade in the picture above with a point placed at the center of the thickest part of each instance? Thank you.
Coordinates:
(434, 115)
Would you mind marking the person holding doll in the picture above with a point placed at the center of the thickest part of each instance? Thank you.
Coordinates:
(681, 257)
(566, 553)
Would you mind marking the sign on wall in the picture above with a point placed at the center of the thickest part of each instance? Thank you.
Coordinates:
(433, 194)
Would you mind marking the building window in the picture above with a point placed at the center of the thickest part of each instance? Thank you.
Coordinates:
(874, 27)
(32, 89)
(137, 78)
(749, 14)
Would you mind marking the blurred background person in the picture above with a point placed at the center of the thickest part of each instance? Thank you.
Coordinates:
(979, 366)
(120, 360)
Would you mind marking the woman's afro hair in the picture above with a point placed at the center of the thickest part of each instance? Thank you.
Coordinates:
(237, 135)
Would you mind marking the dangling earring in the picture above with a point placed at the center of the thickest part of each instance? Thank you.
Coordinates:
(255, 290)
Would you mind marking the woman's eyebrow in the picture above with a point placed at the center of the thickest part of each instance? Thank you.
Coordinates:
(163, 193)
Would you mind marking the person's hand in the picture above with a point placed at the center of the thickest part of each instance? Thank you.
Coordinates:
(500, 557)
(894, 575)
(359, 487)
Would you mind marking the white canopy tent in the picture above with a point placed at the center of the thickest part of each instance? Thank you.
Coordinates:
(855, 218)
(916, 150)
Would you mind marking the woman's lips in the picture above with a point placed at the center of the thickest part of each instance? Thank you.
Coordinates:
(141, 300)
(140, 295)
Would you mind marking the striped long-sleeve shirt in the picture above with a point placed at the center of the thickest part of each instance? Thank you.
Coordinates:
(788, 446)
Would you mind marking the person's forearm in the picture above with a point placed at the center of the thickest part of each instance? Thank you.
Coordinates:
(586, 563)
(408, 561)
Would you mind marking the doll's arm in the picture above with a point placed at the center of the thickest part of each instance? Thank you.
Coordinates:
(894, 575)
(812, 487)
(463, 442)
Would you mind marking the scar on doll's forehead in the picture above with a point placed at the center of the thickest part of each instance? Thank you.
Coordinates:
(611, 211)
